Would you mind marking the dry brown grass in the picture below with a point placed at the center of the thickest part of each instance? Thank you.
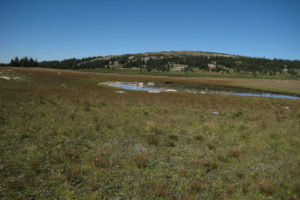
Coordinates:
(84, 141)
(285, 86)
(266, 187)
(140, 160)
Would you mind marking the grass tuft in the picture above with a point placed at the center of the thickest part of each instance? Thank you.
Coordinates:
(170, 143)
(140, 160)
(153, 140)
(266, 187)
(199, 137)
(234, 153)
(196, 186)
(173, 137)
(101, 161)
(210, 165)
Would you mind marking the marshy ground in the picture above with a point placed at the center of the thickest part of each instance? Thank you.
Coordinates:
(63, 136)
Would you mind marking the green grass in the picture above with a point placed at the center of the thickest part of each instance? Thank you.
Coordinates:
(12, 75)
(199, 74)
(64, 137)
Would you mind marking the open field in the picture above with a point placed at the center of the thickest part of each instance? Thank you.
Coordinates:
(273, 85)
(196, 74)
(62, 136)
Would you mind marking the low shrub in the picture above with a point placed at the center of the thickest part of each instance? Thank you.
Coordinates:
(140, 160)
(153, 140)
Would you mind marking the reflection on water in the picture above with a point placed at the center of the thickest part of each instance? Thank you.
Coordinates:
(282, 96)
(164, 87)
(141, 87)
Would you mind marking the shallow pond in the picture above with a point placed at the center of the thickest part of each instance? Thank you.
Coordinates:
(189, 88)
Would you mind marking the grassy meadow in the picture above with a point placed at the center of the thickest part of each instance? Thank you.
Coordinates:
(62, 136)
(196, 74)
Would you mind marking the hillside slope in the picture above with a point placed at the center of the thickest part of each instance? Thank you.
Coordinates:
(165, 53)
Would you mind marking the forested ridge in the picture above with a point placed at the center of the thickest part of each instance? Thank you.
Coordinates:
(166, 62)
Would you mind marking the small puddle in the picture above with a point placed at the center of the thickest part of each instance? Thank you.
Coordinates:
(177, 87)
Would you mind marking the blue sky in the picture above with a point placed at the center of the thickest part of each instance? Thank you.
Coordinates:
(59, 29)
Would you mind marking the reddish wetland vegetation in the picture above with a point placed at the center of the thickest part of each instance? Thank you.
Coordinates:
(64, 136)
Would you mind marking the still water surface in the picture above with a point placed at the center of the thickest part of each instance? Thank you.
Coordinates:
(169, 87)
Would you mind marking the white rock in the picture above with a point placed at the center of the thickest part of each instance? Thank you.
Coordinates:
(171, 90)
(154, 91)
(139, 148)
(215, 113)
(150, 83)
(121, 92)
(5, 77)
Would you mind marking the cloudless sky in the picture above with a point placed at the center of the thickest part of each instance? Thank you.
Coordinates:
(59, 29)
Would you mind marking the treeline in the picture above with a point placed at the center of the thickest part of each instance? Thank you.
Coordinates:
(160, 62)
(23, 62)
(72, 63)
(222, 64)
